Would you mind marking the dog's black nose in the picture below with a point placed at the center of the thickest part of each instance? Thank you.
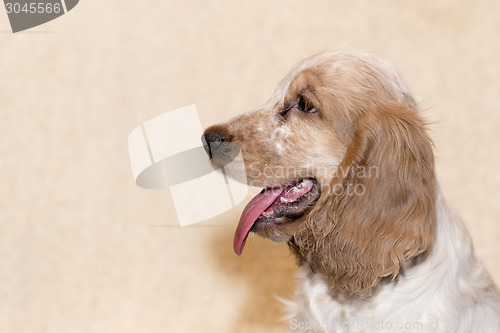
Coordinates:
(212, 141)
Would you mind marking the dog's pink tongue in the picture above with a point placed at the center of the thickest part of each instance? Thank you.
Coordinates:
(251, 213)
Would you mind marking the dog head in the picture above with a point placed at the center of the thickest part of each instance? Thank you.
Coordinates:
(346, 166)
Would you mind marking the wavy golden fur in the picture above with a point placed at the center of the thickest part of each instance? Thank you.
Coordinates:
(354, 240)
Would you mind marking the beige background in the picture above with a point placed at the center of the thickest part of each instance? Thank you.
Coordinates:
(79, 249)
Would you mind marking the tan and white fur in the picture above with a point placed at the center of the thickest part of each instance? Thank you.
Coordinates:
(393, 257)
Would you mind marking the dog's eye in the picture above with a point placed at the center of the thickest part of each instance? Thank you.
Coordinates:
(305, 105)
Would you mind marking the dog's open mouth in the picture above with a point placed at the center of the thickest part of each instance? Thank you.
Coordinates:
(277, 205)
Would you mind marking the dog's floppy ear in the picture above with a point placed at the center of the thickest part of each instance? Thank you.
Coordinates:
(380, 208)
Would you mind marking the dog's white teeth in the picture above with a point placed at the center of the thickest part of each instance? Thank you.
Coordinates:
(305, 182)
(296, 191)
(287, 200)
(284, 200)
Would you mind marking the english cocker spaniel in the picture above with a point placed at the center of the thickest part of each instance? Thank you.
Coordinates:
(348, 175)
